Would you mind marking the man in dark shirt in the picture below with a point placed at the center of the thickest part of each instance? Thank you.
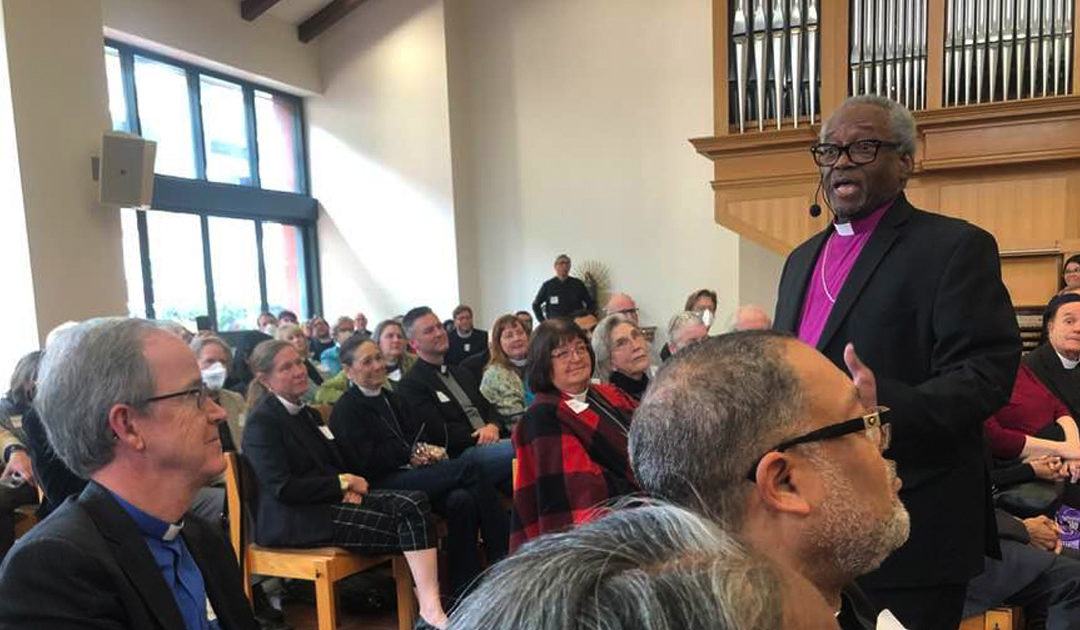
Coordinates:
(562, 295)
(465, 340)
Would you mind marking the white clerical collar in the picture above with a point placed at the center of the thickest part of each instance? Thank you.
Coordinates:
(370, 393)
(1067, 362)
(844, 229)
(290, 407)
(580, 397)
(518, 362)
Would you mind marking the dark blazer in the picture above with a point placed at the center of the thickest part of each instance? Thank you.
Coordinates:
(447, 424)
(87, 566)
(928, 313)
(297, 469)
(369, 444)
(460, 349)
(57, 481)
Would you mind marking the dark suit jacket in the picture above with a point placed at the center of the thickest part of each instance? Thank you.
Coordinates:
(446, 423)
(87, 566)
(370, 444)
(297, 469)
(58, 482)
(928, 313)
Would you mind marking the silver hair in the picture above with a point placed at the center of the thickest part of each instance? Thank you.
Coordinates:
(901, 122)
(601, 343)
(680, 321)
(85, 371)
(655, 567)
(713, 409)
(198, 343)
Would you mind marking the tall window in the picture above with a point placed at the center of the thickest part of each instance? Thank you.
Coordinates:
(232, 229)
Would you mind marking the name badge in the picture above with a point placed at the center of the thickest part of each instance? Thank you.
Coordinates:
(468, 347)
(326, 432)
(553, 299)
(443, 398)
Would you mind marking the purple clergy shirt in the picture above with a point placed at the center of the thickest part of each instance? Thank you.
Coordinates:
(838, 255)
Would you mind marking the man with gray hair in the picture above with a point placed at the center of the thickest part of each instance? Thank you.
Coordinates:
(750, 317)
(651, 567)
(762, 434)
(124, 406)
(684, 330)
(919, 297)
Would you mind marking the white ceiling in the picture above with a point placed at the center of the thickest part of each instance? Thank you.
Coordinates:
(296, 11)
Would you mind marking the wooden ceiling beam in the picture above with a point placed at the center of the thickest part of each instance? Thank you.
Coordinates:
(251, 9)
(325, 18)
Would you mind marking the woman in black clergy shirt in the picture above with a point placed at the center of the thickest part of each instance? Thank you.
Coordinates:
(305, 497)
(382, 442)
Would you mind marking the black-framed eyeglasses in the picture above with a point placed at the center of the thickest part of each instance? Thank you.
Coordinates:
(876, 426)
(200, 393)
(859, 152)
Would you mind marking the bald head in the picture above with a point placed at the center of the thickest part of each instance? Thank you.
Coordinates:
(623, 304)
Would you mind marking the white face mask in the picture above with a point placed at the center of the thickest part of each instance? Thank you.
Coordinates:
(707, 318)
(214, 376)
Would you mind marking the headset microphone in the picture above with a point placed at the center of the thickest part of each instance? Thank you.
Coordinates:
(815, 208)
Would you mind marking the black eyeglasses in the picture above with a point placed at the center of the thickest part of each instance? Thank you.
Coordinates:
(200, 393)
(859, 152)
(876, 427)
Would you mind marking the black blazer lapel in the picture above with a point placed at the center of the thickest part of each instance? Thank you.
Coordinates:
(800, 266)
(132, 555)
(215, 575)
(307, 437)
(881, 241)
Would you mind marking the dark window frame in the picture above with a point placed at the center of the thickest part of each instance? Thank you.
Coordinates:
(244, 201)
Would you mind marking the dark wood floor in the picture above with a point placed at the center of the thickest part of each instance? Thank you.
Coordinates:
(302, 617)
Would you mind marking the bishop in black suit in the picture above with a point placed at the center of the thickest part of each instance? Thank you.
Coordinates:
(920, 298)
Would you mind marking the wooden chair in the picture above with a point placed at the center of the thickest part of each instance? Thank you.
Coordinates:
(995, 619)
(324, 565)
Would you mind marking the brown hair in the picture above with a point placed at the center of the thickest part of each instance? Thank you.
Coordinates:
(548, 336)
(697, 295)
(261, 362)
(498, 357)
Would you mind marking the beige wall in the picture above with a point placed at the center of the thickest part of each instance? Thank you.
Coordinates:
(570, 121)
(57, 82)
(212, 34)
(759, 275)
(379, 142)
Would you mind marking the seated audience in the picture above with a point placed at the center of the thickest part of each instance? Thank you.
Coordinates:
(125, 407)
(465, 341)
(622, 355)
(1033, 410)
(586, 321)
(750, 317)
(306, 497)
(18, 486)
(381, 441)
(502, 383)
(801, 477)
(704, 303)
(561, 295)
(215, 357)
(320, 339)
(1070, 272)
(267, 323)
(623, 304)
(391, 339)
(361, 325)
(292, 334)
(571, 443)
(656, 567)
(1033, 572)
(287, 317)
(526, 319)
(448, 400)
(684, 330)
(329, 360)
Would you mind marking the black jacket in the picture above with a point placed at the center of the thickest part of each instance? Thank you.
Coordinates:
(57, 481)
(431, 403)
(297, 469)
(374, 434)
(928, 313)
(561, 298)
(475, 343)
(88, 566)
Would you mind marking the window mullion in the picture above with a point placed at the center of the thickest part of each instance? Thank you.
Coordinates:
(195, 100)
(252, 135)
(127, 75)
(208, 270)
(144, 258)
(264, 304)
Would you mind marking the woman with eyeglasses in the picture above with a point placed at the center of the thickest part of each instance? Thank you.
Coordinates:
(571, 444)
(622, 355)
(307, 498)
(294, 335)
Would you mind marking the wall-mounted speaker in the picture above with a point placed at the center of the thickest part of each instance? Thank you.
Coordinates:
(127, 170)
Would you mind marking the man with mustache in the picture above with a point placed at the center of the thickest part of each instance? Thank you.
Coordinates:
(919, 296)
